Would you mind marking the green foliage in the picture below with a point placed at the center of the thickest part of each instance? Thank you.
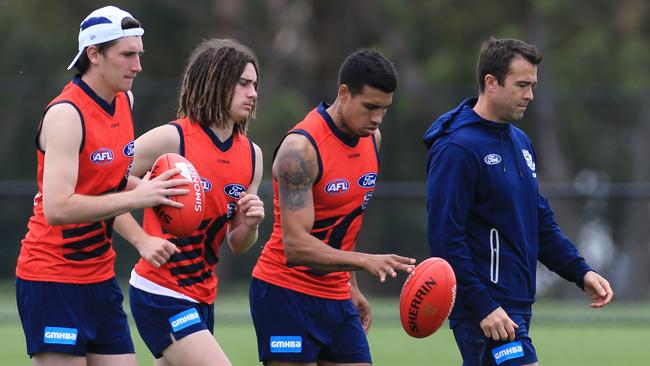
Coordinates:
(595, 69)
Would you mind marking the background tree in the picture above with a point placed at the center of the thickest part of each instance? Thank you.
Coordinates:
(589, 120)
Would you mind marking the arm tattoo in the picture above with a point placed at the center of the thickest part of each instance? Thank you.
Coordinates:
(295, 179)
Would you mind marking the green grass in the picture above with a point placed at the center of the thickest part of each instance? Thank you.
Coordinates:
(556, 345)
(563, 334)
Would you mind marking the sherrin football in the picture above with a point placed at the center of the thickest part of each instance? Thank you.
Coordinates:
(427, 297)
(180, 222)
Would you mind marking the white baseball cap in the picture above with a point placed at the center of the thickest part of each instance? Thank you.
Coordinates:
(103, 25)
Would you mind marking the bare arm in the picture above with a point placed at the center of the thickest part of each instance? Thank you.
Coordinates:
(361, 303)
(242, 231)
(60, 139)
(153, 249)
(295, 169)
(148, 148)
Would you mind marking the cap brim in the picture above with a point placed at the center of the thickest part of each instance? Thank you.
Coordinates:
(74, 61)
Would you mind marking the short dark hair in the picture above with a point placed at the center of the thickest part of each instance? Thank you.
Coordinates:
(212, 72)
(83, 63)
(368, 67)
(497, 54)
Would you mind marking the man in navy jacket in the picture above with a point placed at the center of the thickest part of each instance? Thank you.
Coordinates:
(486, 216)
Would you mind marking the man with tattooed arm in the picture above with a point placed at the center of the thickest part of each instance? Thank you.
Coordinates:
(305, 303)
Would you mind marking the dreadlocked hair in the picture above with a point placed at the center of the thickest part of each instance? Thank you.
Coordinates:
(212, 72)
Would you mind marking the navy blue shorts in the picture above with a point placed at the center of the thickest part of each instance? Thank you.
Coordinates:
(159, 317)
(479, 350)
(294, 327)
(73, 319)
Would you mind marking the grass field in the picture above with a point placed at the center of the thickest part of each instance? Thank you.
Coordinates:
(563, 333)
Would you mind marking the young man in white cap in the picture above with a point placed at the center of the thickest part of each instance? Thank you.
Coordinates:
(69, 301)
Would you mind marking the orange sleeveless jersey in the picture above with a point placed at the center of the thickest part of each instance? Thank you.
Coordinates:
(346, 182)
(82, 253)
(226, 169)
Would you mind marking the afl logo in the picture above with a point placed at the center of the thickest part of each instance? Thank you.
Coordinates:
(492, 159)
(337, 186)
(101, 156)
(128, 149)
(207, 185)
(367, 180)
(233, 190)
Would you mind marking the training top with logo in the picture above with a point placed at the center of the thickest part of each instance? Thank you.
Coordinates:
(226, 169)
(487, 217)
(347, 171)
(82, 253)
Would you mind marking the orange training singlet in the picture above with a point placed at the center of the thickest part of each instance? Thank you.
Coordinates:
(226, 169)
(82, 253)
(346, 182)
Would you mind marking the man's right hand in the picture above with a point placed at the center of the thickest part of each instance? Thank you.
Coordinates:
(498, 326)
(382, 265)
(156, 251)
(153, 192)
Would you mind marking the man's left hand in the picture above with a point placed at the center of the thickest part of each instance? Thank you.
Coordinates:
(598, 289)
(363, 307)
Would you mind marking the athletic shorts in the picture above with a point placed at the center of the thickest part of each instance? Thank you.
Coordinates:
(72, 318)
(479, 350)
(294, 327)
(159, 317)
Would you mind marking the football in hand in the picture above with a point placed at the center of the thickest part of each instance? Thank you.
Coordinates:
(427, 297)
(180, 222)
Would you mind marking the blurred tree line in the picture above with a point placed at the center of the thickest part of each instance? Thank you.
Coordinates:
(589, 121)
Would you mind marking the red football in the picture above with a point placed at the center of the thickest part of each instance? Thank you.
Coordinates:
(180, 222)
(427, 297)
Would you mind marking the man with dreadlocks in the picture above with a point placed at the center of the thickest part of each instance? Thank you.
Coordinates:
(172, 301)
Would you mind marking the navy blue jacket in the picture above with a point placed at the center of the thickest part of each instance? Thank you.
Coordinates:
(486, 216)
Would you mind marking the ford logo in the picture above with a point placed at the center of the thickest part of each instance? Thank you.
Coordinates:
(367, 180)
(492, 159)
(233, 190)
